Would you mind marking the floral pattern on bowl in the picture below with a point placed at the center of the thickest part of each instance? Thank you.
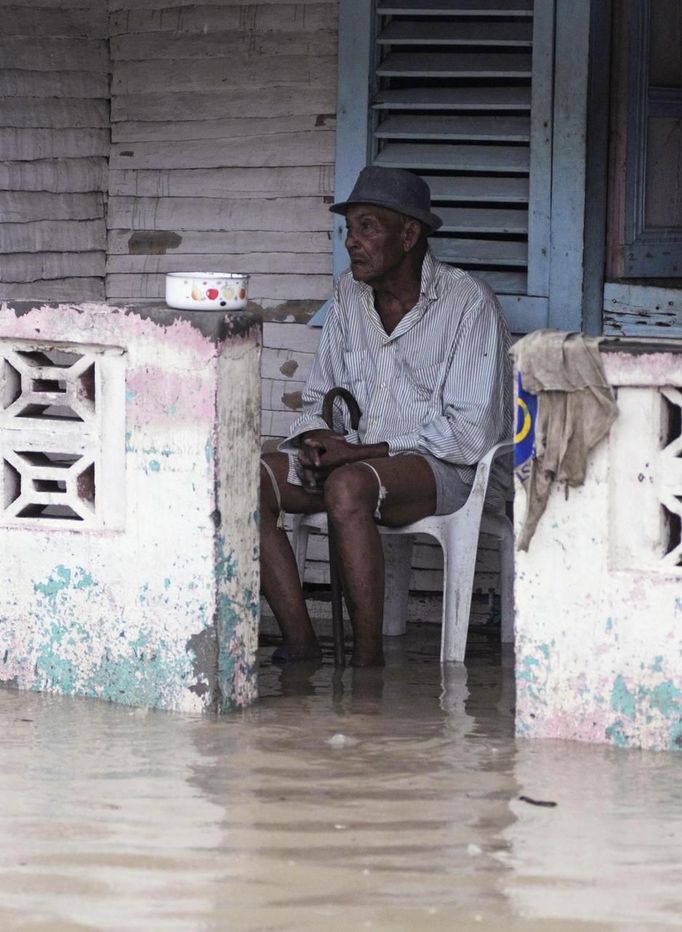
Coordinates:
(207, 291)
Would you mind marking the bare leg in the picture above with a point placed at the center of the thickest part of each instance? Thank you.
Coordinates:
(279, 576)
(351, 494)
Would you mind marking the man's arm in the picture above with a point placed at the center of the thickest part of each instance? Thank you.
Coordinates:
(475, 394)
(325, 374)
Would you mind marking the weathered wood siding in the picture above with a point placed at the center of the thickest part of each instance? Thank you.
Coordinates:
(223, 146)
(54, 145)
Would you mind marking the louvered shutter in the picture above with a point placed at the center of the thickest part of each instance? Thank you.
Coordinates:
(460, 92)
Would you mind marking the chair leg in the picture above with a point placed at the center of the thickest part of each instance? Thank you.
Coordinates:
(507, 579)
(398, 561)
(458, 581)
(501, 527)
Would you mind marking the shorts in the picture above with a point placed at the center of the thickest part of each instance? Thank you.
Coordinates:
(451, 490)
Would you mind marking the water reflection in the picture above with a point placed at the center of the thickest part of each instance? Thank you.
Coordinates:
(611, 848)
(365, 805)
(342, 800)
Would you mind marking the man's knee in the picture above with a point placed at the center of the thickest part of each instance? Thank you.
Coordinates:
(349, 491)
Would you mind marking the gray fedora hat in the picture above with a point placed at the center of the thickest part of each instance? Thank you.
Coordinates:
(396, 189)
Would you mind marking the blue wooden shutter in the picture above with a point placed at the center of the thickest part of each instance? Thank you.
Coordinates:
(460, 93)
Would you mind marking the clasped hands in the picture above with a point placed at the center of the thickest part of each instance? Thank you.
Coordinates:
(322, 451)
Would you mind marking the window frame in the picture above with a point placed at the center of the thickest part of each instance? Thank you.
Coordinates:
(647, 253)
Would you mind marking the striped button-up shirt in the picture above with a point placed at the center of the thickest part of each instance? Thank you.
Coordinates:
(440, 383)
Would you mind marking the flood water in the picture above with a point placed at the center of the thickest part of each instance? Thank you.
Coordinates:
(385, 800)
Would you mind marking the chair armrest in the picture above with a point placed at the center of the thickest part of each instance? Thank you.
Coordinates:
(505, 446)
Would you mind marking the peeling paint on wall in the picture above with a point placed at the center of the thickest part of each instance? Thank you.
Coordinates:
(160, 611)
(598, 640)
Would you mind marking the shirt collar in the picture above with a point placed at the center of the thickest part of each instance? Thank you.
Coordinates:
(428, 292)
(428, 285)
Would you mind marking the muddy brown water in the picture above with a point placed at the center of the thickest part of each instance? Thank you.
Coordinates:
(385, 800)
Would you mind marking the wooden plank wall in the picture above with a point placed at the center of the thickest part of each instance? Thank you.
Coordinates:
(223, 146)
(54, 143)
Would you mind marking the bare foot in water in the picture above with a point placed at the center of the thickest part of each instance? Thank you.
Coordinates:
(293, 653)
(367, 657)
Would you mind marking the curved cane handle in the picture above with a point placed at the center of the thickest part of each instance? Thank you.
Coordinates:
(351, 404)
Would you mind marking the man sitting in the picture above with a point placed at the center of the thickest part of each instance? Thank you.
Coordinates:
(423, 347)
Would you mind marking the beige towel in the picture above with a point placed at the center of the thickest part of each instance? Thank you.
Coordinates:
(576, 408)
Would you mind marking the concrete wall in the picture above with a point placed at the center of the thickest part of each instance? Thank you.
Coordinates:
(599, 592)
(129, 459)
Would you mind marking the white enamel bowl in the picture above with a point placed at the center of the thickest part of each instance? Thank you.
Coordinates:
(206, 291)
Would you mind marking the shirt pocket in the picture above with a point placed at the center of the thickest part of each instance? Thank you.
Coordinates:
(355, 365)
(424, 379)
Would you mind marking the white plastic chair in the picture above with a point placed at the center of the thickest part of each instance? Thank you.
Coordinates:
(457, 533)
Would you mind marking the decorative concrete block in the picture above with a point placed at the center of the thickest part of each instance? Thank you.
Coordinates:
(599, 592)
(129, 462)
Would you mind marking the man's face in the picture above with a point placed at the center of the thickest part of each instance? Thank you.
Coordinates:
(374, 241)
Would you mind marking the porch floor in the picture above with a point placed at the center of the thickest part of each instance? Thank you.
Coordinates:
(387, 800)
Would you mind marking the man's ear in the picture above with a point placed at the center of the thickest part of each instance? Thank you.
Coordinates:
(410, 233)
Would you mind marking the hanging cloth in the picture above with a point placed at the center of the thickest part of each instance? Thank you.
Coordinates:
(565, 407)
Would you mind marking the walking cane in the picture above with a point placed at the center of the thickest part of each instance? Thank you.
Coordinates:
(334, 574)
